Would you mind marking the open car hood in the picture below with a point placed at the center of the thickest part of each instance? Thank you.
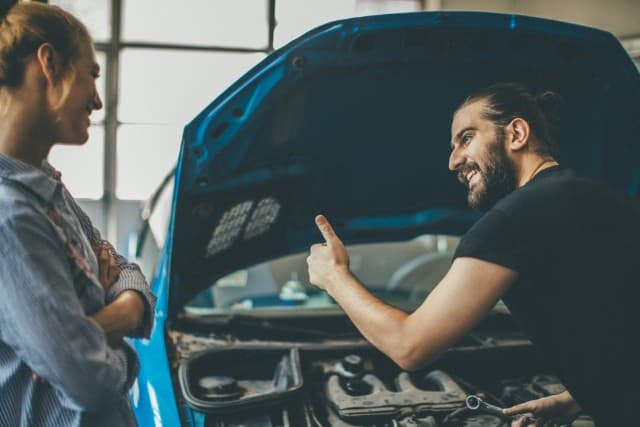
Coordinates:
(352, 120)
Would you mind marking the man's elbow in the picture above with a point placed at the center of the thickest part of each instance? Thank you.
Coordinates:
(411, 358)
(408, 362)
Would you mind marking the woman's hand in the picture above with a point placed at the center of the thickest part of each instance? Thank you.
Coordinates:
(108, 270)
(558, 409)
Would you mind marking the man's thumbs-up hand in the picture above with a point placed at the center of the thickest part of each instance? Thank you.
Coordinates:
(328, 261)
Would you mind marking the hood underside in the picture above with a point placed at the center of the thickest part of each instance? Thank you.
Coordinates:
(352, 120)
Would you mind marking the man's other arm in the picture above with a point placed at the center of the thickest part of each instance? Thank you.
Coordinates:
(464, 296)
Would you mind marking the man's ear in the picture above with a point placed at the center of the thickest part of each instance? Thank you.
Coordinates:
(49, 61)
(518, 133)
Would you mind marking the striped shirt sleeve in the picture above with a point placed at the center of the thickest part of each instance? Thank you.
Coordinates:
(43, 319)
(131, 277)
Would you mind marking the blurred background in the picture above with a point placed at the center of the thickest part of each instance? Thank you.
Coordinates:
(164, 60)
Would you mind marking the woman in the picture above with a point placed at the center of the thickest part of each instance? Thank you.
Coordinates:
(66, 298)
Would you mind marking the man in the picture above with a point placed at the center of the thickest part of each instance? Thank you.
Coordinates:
(555, 247)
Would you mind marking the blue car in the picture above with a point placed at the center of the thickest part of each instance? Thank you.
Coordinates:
(352, 120)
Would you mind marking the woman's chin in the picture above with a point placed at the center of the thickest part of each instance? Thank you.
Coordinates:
(72, 142)
(79, 138)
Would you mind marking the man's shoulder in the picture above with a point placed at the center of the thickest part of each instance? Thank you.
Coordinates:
(544, 191)
(564, 185)
(551, 178)
(567, 199)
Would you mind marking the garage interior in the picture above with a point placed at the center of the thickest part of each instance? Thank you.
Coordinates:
(139, 121)
(163, 65)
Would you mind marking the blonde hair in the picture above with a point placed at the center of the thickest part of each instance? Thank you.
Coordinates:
(25, 27)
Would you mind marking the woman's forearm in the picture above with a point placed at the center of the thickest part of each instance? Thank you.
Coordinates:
(120, 317)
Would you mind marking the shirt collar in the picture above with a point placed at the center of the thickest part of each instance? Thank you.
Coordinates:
(43, 181)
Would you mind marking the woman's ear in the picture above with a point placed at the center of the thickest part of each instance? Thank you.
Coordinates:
(49, 61)
(519, 133)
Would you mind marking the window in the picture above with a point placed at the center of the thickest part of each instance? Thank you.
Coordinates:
(160, 91)
(82, 167)
(145, 155)
(295, 17)
(172, 86)
(236, 23)
(95, 14)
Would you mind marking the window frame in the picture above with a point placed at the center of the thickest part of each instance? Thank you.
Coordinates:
(109, 204)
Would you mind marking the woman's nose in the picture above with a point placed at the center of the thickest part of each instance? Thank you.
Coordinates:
(97, 102)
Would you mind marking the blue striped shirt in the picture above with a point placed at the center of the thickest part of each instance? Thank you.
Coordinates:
(48, 290)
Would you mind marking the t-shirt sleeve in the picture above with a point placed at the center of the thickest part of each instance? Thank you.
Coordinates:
(495, 239)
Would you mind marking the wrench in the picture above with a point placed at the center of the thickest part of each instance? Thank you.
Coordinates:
(474, 403)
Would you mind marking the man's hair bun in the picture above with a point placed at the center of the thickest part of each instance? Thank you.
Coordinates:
(550, 103)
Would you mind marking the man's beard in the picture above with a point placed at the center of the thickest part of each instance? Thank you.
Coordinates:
(496, 180)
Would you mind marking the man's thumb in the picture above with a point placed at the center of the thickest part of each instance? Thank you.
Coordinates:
(326, 229)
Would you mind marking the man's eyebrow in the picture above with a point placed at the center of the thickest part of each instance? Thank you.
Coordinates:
(459, 135)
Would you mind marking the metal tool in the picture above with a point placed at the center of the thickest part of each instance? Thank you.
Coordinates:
(475, 403)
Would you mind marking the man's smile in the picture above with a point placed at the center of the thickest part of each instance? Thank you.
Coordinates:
(469, 175)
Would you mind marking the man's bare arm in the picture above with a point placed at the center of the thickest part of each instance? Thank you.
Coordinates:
(468, 291)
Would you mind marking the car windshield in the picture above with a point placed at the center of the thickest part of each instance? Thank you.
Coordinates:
(400, 273)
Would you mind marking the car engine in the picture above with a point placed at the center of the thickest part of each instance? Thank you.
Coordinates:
(348, 383)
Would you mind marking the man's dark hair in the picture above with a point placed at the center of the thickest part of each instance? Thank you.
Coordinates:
(507, 101)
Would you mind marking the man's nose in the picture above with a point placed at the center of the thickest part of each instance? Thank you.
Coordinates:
(456, 159)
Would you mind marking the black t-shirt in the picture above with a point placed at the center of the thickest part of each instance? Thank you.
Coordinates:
(573, 243)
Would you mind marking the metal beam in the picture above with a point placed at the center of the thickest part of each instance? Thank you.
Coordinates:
(142, 45)
(271, 19)
(111, 122)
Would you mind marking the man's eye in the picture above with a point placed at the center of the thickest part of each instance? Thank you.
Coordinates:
(466, 139)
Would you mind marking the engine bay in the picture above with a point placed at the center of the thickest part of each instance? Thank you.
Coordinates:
(346, 382)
